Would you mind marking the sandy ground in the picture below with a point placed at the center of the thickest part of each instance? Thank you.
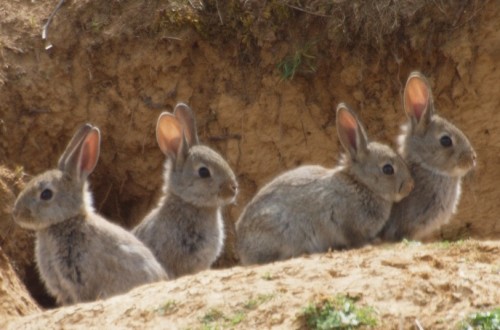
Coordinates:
(434, 285)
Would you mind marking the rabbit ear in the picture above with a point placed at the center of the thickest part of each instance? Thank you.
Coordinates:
(186, 116)
(351, 133)
(83, 159)
(418, 100)
(75, 140)
(170, 137)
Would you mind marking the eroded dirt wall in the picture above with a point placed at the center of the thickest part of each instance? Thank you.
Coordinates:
(260, 122)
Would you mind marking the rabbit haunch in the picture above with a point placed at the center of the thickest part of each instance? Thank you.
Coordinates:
(438, 155)
(311, 209)
(185, 231)
(80, 255)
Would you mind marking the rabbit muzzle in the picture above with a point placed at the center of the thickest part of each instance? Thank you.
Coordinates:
(20, 213)
(470, 160)
(228, 192)
(405, 189)
(465, 163)
(24, 218)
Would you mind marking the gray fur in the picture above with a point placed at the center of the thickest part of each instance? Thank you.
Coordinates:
(312, 209)
(185, 231)
(437, 170)
(80, 256)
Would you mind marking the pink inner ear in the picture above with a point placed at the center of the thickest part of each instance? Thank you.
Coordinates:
(417, 97)
(351, 134)
(350, 125)
(85, 160)
(169, 134)
(418, 109)
(89, 153)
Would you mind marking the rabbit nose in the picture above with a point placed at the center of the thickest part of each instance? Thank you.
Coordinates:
(411, 184)
(467, 160)
(229, 189)
(18, 212)
(234, 187)
(407, 186)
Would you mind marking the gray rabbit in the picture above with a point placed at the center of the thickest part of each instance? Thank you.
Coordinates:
(311, 209)
(80, 256)
(185, 231)
(438, 155)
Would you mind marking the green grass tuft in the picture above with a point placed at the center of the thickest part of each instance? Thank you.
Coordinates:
(302, 60)
(409, 242)
(255, 302)
(167, 308)
(212, 315)
(236, 318)
(338, 313)
(267, 276)
(216, 319)
(489, 320)
(449, 244)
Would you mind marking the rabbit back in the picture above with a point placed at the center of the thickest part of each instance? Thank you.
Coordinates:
(308, 210)
(277, 223)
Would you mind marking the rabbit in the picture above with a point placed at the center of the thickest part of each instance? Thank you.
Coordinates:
(311, 209)
(438, 155)
(186, 231)
(80, 255)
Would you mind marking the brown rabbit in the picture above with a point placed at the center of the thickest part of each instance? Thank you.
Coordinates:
(438, 155)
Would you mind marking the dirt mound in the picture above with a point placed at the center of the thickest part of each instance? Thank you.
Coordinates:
(436, 285)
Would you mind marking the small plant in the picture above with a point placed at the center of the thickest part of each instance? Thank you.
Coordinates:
(489, 320)
(167, 308)
(408, 242)
(236, 318)
(254, 303)
(338, 313)
(19, 173)
(267, 276)
(215, 319)
(212, 315)
(176, 15)
(449, 244)
(33, 22)
(289, 66)
(97, 23)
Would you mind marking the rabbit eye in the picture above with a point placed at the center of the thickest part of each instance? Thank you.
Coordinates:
(388, 169)
(446, 141)
(204, 172)
(46, 194)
